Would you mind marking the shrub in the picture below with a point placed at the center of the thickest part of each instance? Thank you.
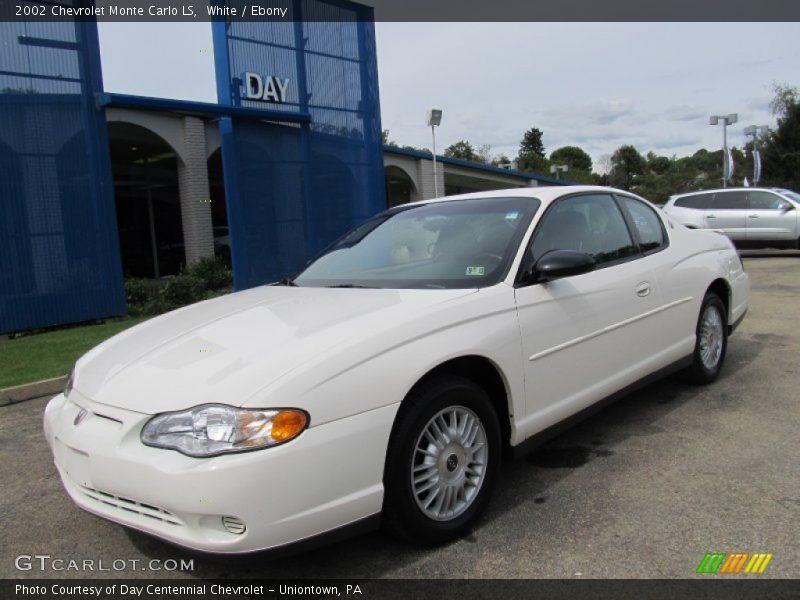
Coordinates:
(137, 291)
(212, 271)
(182, 290)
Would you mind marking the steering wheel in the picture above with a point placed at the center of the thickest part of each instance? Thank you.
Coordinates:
(493, 258)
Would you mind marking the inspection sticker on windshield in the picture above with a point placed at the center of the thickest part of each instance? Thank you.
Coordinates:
(513, 215)
(476, 271)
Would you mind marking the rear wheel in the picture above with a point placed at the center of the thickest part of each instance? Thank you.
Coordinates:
(711, 341)
(442, 461)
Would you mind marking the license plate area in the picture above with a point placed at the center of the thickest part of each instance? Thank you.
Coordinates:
(75, 463)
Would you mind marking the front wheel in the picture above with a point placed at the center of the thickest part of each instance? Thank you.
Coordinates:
(711, 341)
(442, 461)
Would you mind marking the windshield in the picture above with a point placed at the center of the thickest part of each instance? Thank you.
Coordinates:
(790, 194)
(453, 244)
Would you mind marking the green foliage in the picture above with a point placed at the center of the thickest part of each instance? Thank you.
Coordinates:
(780, 155)
(182, 290)
(461, 149)
(581, 176)
(627, 168)
(483, 154)
(207, 278)
(784, 98)
(501, 161)
(137, 291)
(532, 143)
(530, 162)
(576, 158)
(213, 271)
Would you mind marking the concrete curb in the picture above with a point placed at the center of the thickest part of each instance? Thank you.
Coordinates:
(28, 391)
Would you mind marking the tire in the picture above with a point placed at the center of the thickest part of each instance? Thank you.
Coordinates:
(711, 341)
(463, 471)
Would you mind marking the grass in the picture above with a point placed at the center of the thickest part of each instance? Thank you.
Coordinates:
(52, 354)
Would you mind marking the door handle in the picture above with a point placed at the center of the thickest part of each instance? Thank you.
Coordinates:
(753, 216)
(711, 216)
(643, 289)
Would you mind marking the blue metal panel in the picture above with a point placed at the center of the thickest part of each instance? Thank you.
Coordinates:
(59, 248)
(293, 188)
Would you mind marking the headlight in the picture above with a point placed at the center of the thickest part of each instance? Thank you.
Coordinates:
(70, 382)
(213, 429)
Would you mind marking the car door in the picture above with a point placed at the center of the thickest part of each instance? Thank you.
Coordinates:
(770, 217)
(728, 212)
(583, 337)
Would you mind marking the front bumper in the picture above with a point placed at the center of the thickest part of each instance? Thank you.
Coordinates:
(328, 477)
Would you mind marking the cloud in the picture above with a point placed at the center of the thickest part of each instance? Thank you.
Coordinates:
(597, 112)
(685, 112)
(678, 140)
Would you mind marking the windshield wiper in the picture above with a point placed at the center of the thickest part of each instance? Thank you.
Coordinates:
(286, 281)
(352, 285)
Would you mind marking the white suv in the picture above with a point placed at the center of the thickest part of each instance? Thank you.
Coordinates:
(751, 217)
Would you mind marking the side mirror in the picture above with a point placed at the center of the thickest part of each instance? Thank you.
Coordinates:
(786, 207)
(557, 264)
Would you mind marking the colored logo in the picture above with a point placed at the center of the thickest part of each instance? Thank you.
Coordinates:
(723, 563)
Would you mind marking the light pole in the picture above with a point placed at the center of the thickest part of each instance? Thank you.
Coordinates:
(754, 130)
(556, 169)
(726, 162)
(434, 120)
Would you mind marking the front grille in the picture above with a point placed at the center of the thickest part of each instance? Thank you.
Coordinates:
(132, 506)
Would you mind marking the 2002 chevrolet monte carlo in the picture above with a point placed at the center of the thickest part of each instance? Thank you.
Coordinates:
(392, 374)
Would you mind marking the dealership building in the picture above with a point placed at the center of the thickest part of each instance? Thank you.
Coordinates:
(98, 186)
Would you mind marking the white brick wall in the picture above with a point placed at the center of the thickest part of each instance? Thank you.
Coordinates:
(198, 233)
(425, 178)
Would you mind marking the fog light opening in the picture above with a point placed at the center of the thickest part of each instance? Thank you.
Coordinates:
(234, 525)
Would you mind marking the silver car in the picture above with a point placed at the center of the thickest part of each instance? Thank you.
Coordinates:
(751, 217)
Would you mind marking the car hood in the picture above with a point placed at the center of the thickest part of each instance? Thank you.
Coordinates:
(226, 349)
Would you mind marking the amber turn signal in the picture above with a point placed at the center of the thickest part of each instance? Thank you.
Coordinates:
(288, 424)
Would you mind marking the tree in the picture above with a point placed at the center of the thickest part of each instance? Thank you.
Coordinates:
(627, 167)
(784, 98)
(502, 161)
(780, 155)
(532, 143)
(461, 149)
(573, 156)
(531, 162)
(484, 154)
(385, 138)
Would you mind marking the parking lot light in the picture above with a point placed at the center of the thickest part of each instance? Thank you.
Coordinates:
(434, 119)
(727, 162)
(556, 169)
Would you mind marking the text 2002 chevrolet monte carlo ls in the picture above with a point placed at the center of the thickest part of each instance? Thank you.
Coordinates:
(391, 375)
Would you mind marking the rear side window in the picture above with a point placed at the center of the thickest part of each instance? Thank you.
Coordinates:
(733, 200)
(646, 223)
(699, 201)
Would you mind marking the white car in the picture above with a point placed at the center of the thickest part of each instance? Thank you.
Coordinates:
(751, 217)
(390, 376)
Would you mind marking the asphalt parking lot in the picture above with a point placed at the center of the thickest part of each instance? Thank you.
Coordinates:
(643, 489)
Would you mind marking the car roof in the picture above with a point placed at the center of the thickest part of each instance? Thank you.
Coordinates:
(730, 189)
(545, 194)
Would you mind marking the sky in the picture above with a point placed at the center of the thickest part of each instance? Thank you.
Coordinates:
(594, 85)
